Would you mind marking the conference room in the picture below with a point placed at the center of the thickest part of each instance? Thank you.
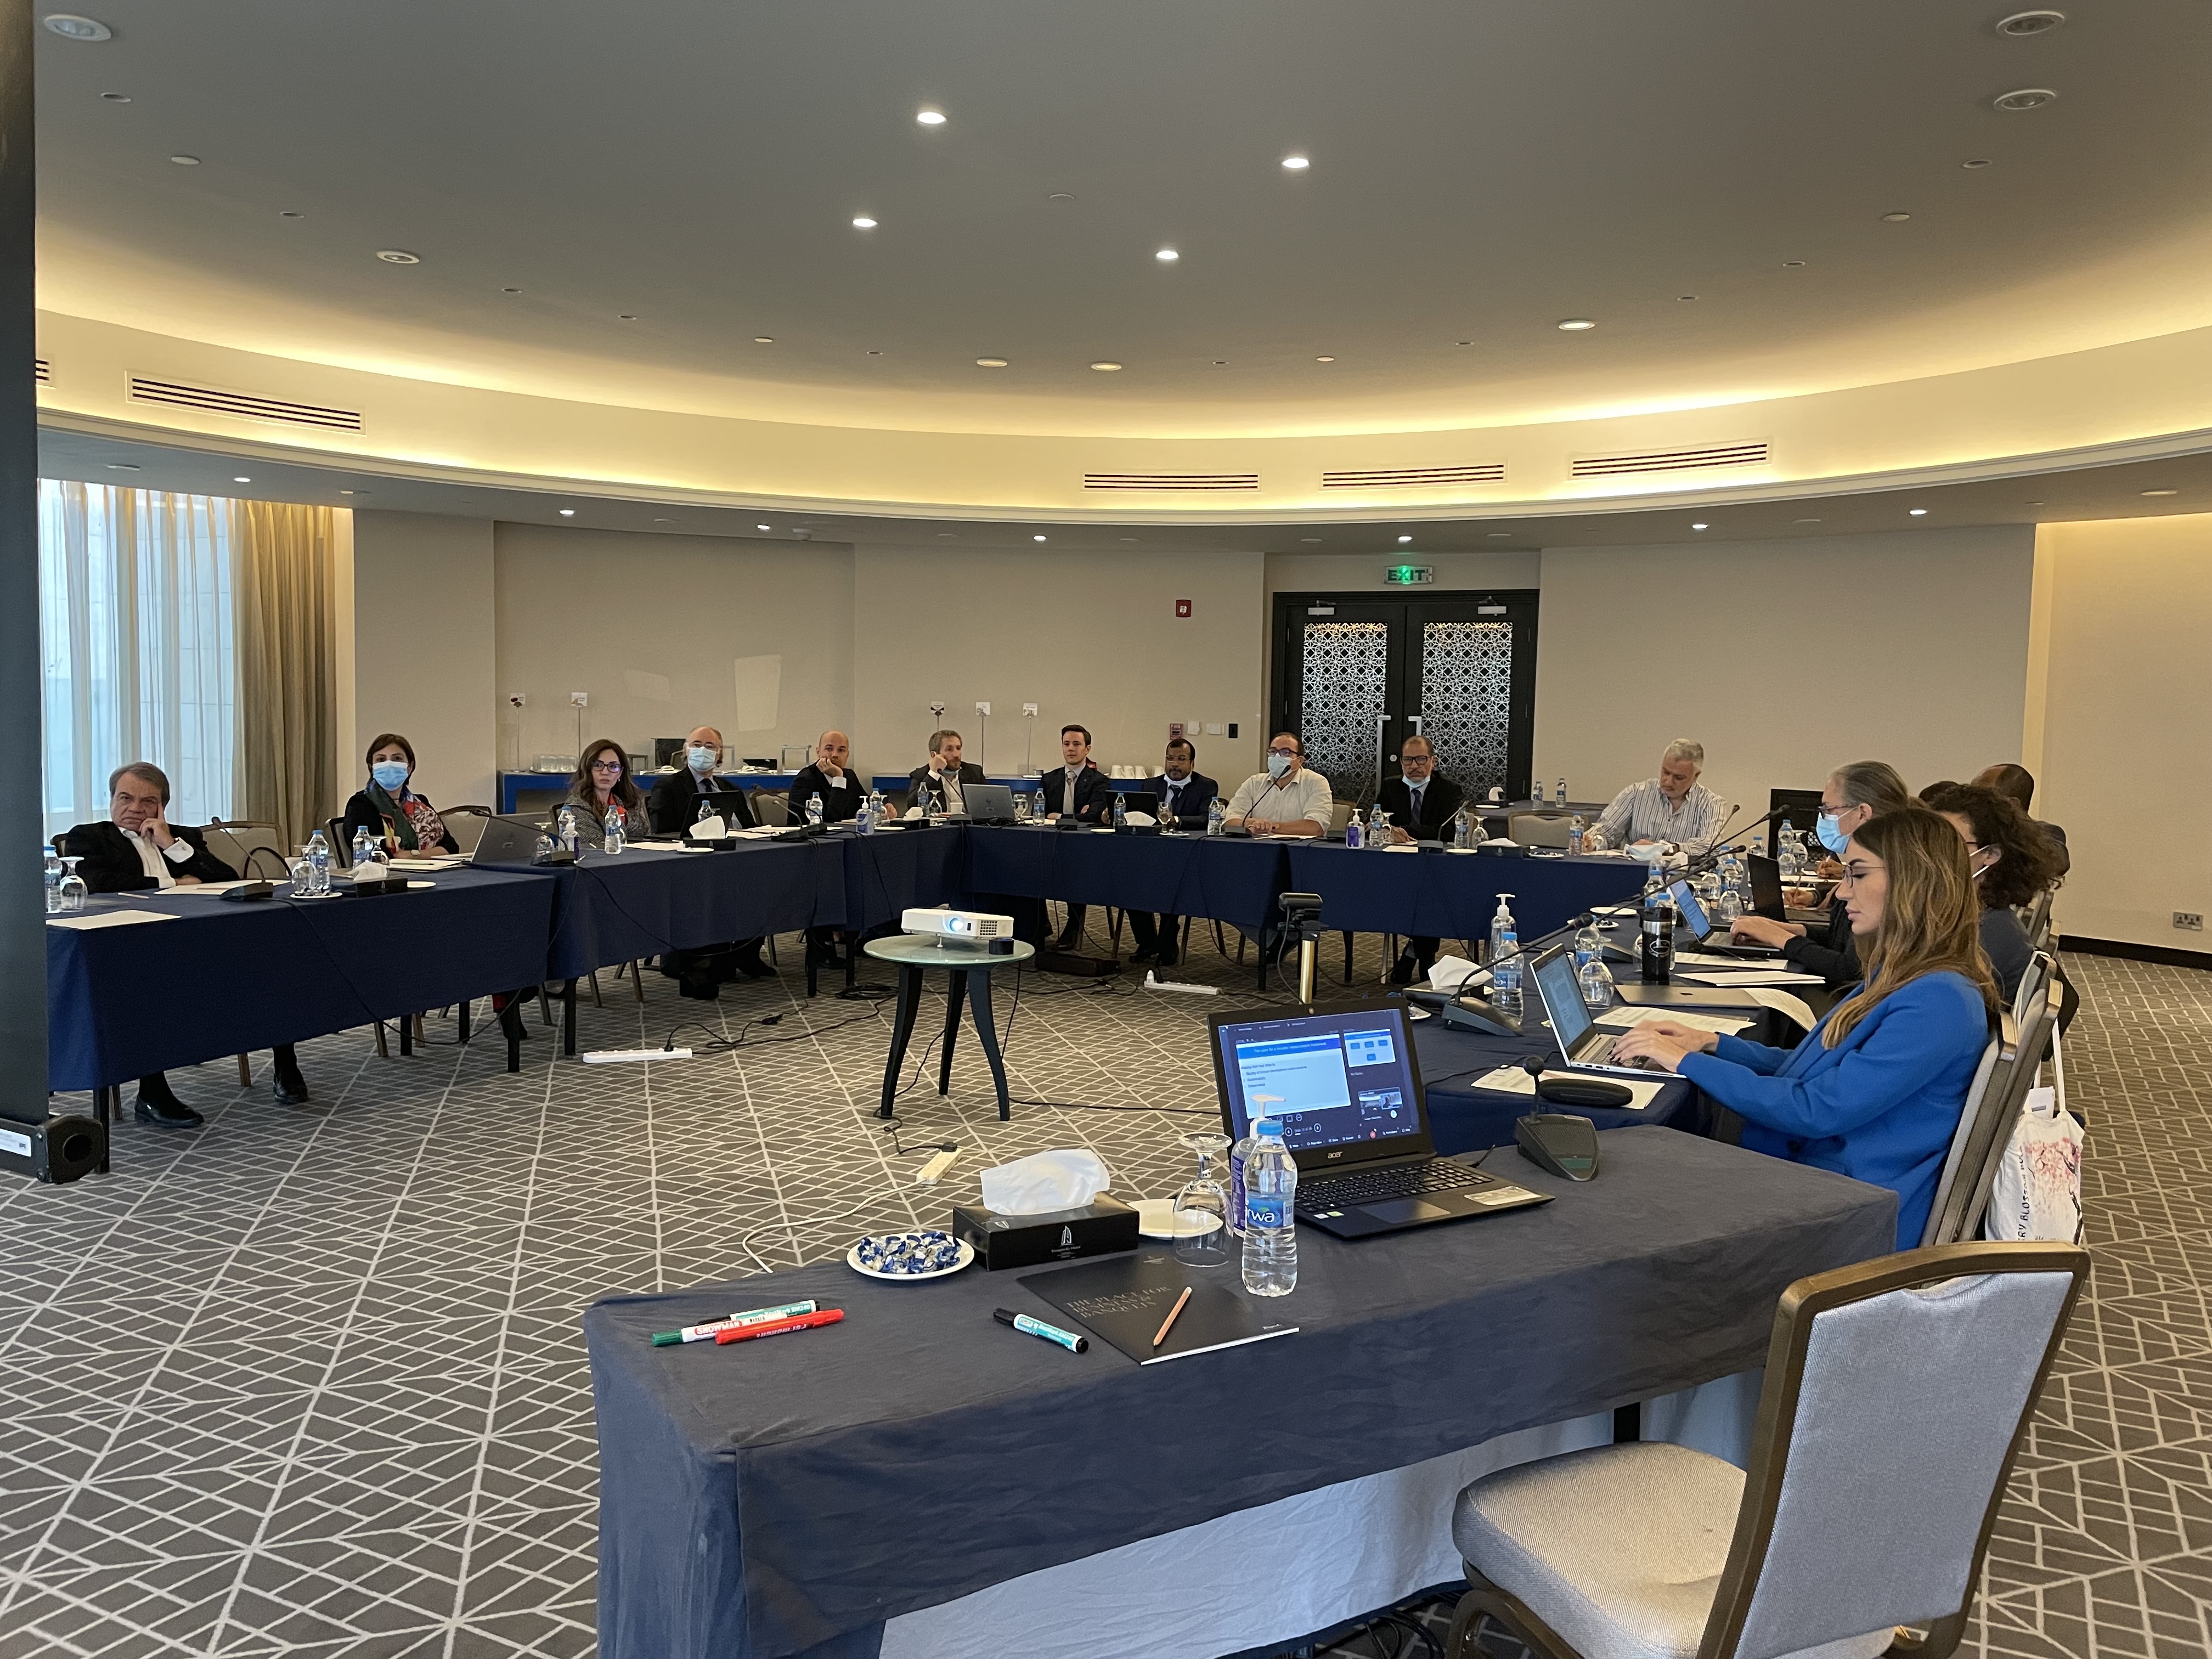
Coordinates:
(1485, 717)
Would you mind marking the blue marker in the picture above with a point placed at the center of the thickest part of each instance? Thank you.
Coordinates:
(1023, 1323)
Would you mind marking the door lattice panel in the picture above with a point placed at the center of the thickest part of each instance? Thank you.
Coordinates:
(1342, 695)
(1467, 699)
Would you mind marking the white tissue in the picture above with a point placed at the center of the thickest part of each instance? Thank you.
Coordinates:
(1449, 973)
(1141, 819)
(1045, 1182)
(707, 830)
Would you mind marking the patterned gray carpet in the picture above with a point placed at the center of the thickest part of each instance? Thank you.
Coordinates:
(309, 1381)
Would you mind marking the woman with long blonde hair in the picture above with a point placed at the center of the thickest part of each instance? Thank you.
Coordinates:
(1875, 1089)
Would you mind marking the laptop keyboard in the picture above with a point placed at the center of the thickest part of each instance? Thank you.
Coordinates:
(1407, 1181)
(1598, 1054)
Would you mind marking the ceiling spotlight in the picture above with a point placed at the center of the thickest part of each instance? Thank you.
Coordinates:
(1402, 540)
(663, 521)
(1685, 296)
(1701, 526)
(930, 117)
(1126, 538)
(1466, 343)
(1311, 541)
(115, 97)
(1804, 521)
(241, 480)
(946, 536)
(185, 160)
(1296, 163)
(353, 492)
(1978, 162)
(1106, 369)
(1916, 512)
(70, 27)
(1324, 359)
(2023, 24)
(763, 527)
(290, 213)
(627, 317)
(567, 512)
(392, 256)
(1221, 362)
(873, 352)
(2031, 503)
(1793, 264)
(763, 339)
(1895, 218)
(510, 290)
(864, 222)
(123, 466)
(1060, 196)
(1167, 255)
(990, 362)
(1037, 538)
(1576, 325)
(2162, 492)
(1500, 535)
(2026, 98)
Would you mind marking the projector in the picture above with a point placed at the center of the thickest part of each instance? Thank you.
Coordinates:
(958, 927)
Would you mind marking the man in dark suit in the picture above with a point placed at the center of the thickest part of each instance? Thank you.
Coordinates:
(672, 809)
(829, 778)
(944, 782)
(1076, 789)
(139, 850)
(1419, 802)
(1184, 794)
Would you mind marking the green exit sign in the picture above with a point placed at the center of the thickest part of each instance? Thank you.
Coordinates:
(1409, 575)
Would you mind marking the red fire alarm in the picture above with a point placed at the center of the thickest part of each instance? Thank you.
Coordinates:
(1183, 607)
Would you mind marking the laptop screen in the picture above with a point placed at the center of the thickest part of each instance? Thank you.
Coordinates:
(1765, 886)
(1340, 1078)
(1562, 997)
(1693, 913)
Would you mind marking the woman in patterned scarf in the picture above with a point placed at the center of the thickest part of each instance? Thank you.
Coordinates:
(402, 820)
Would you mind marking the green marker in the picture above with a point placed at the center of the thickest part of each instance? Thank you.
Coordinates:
(735, 1321)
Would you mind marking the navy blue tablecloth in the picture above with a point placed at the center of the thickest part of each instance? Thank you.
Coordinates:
(787, 1497)
(227, 979)
(1226, 877)
(895, 870)
(1468, 1119)
(642, 902)
(1452, 895)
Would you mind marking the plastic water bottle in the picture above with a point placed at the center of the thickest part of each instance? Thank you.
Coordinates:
(1378, 827)
(1787, 855)
(1121, 812)
(1216, 816)
(1271, 1237)
(1240, 1159)
(1560, 800)
(564, 828)
(1578, 836)
(1459, 828)
(1730, 908)
(1595, 980)
(1589, 947)
(319, 865)
(706, 812)
(616, 833)
(364, 849)
(814, 811)
(1354, 832)
(54, 869)
(1655, 880)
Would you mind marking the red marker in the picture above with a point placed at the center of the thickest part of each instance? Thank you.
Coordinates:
(801, 1322)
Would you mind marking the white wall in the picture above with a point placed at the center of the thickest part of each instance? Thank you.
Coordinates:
(424, 617)
(2126, 729)
(653, 628)
(1784, 658)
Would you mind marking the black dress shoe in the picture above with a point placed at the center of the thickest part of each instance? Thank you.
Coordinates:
(699, 989)
(754, 968)
(1151, 953)
(1168, 957)
(289, 1087)
(165, 1111)
(511, 1023)
(1402, 971)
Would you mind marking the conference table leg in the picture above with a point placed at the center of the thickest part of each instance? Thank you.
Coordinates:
(987, 1033)
(406, 1035)
(909, 1004)
(107, 1106)
(956, 988)
(569, 1020)
(461, 1022)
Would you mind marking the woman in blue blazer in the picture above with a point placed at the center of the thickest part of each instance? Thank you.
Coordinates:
(1875, 1089)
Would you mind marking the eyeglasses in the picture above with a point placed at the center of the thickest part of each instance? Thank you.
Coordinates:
(1857, 872)
(1293, 753)
(606, 766)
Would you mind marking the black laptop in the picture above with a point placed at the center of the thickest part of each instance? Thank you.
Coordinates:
(1709, 936)
(1345, 1089)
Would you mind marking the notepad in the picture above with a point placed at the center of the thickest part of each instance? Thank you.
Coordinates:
(91, 919)
(1625, 1018)
(1123, 1298)
(1757, 976)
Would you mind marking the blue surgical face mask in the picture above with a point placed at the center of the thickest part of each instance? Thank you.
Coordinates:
(1277, 765)
(390, 775)
(701, 758)
(1831, 834)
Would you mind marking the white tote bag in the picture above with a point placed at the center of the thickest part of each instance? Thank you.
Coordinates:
(2037, 1193)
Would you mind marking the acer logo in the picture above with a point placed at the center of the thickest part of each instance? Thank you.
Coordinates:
(1334, 1155)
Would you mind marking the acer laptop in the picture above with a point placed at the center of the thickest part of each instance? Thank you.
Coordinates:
(1343, 1084)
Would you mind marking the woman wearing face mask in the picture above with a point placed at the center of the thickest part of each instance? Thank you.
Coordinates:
(1875, 1089)
(1853, 795)
(2012, 861)
(402, 820)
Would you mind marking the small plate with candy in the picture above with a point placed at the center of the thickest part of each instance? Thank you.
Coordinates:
(927, 1253)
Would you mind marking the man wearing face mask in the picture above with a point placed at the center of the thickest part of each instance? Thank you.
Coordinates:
(1288, 798)
(1853, 795)
(674, 806)
(1184, 794)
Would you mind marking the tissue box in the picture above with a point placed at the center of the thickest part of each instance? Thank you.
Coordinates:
(1099, 1228)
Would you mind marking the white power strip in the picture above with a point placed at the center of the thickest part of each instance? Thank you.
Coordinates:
(1154, 982)
(617, 1056)
(926, 1175)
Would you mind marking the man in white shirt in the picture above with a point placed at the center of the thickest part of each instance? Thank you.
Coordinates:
(1287, 798)
(1673, 808)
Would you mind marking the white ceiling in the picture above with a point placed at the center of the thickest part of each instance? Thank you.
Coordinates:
(1481, 169)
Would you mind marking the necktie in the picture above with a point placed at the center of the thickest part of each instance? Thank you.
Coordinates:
(1417, 788)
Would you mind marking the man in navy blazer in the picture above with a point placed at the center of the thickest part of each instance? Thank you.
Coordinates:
(1076, 789)
(1184, 794)
(1419, 804)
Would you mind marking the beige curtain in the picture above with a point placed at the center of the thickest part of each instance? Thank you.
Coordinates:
(282, 582)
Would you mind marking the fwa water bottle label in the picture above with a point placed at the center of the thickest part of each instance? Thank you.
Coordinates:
(1266, 1210)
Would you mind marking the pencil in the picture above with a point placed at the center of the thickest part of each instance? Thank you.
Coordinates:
(1168, 1324)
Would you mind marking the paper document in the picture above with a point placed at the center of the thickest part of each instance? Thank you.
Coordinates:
(91, 919)
(1795, 1007)
(1621, 1019)
(218, 887)
(1707, 959)
(1755, 976)
(1512, 1080)
(449, 862)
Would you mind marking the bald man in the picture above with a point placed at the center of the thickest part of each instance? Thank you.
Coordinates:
(830, 780)
(674, 807)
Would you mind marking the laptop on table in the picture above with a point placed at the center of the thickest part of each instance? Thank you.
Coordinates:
(989, 803)
(1583, 1046)
(1346, 1093)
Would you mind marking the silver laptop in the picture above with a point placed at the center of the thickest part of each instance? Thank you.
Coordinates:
(1583, 1046)
(507, 841)
(1708, 935)
(989, 803)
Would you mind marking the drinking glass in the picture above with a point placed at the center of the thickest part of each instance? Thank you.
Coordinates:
(1021, 809)
(73, 890)
(1202, 1207)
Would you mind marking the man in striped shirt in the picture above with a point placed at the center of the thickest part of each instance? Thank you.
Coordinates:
(1672, 807)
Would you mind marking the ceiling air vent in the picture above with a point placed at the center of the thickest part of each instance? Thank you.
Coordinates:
(178, 394)
(42, 371)
(1171, 481)
(1670, 460)
(1415, 477)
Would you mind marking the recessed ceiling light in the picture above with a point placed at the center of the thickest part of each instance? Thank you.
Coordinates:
(1167, 255)
(1037, 538)
(946, 536)
(123, 466)
(1804, 521)
(1324, 359)
(1895, 218)
(930, 117)
(864, 222)
(990, 362)
(763, 339)
(627, 317)
(1296, 163)
(510, 290)
(1106, 369)
(1467, 343)
(1221, 362)
(353, 492)
(763, 527)
(2032, 503)
(567, 512)
(1978, 162)
(290, 213)
(1126, 538)
(1916, 512)
(1576, 324)
(1701, 526)
(2022, 24)
(873, 352)
(663, 521)
(241, 480)
(1500, 535)
(1311, 541)
(1685, 296)
(2162, 492)
(115, 97)
(392, 256)
(185, 160)
(1060, 196)
(1793, 264)
(2026, 98)
(1402, 540)
(70, 27)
